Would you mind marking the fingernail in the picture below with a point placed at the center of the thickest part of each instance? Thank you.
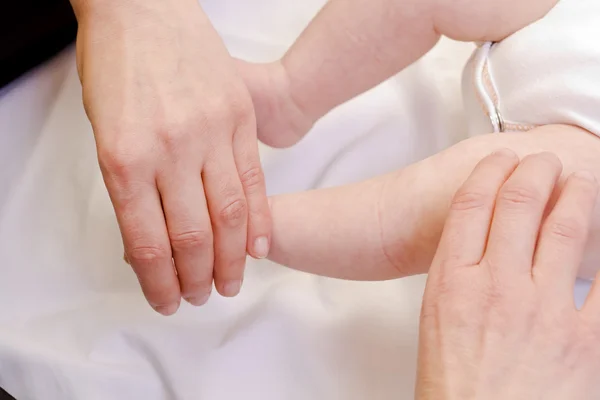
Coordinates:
(585, 175)
(126, 259)
(232, 288)
(198, 300)
(261, 247)
(167, 310)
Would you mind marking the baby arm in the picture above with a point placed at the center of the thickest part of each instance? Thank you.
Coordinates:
(353, 45)
(389, 227)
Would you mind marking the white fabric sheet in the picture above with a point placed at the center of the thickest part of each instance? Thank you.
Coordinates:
(73, 323)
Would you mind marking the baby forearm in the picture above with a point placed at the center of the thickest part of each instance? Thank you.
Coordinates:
(351, 46)
(411, 237)
(379, 229)
(389, 227)
(332, 232)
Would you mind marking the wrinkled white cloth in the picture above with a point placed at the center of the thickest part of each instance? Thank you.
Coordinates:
(73, 322)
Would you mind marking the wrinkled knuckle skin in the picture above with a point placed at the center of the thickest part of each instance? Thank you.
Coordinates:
(234, 215)
(566, 230)
(471, 200)
(196, 239)
(253, 178)
(519, 197)
(146, 255)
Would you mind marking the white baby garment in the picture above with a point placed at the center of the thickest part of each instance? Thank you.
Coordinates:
(546, 73)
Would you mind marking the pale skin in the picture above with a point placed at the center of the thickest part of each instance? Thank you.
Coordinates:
(353, 45)
(175, 127)
(381, 229)
(498, 318)
(388, 227)
(176, 138)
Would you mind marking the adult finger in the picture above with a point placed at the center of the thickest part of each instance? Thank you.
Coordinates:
(564, 235)
(190, 232)
(465, 234)
(229, 214)
(245, 150)
(147, 249)
(518, 214)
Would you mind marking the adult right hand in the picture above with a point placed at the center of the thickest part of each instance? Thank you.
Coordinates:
(498, 318)
(176, 138)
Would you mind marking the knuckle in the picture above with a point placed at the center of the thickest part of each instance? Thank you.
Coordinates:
(220, 107)
(243, 111)
(566, 229)
(145, 255)
(238, 99)
(520, 196)
(469, 200)
(233, 104)
(587, 184)
(173, 134)
(234, 215)
(253, 178)
(194, 239)
(119, 164)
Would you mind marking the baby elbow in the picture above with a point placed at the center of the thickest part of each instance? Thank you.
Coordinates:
(486, 21)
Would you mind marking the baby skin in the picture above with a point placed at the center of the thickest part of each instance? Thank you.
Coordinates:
(353, 45)
(389, 227)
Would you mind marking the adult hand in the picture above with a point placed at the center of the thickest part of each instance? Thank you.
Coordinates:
(498, 318)
(176, 138)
